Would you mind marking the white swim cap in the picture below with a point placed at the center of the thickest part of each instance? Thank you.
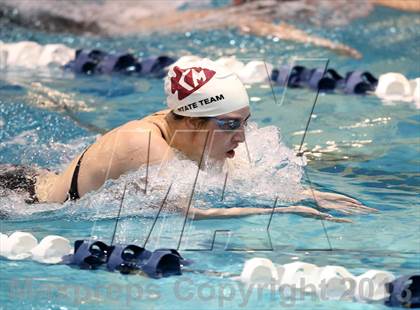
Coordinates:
(203, 88)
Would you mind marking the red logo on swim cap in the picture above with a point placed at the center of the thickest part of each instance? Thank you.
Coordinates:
(187, 81)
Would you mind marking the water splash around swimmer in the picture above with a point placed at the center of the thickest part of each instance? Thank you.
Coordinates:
(267, 170)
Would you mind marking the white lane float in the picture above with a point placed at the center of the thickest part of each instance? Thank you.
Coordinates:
(259, 271)
(231, 63)
(415, 89)
(371, 285)
(394, 86)
(329, 282)
(255, 71)
(298, 274)
(18, 245)
(336, 283)
(3, 243)
(22, 245)
(29, 54)
(51, 249)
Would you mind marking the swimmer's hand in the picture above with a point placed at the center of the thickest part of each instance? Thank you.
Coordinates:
(311, 212)
(338, 202)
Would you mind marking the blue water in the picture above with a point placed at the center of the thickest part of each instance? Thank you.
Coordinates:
(359, 146)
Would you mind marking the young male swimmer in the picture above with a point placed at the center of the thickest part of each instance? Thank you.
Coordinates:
(208, 106)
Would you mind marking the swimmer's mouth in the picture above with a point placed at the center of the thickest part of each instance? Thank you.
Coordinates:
(231, 153)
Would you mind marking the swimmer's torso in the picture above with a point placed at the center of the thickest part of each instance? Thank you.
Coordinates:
(119, 151)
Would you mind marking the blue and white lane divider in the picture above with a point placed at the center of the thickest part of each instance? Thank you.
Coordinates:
(390, 86)
(328, 282)
(333, 282)
(92, 254)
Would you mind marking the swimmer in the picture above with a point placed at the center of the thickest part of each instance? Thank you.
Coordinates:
(254, 18)
(204, 100)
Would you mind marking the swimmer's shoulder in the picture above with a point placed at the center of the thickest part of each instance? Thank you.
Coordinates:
(135, 141)
(152, 122)
(141, 137)
(148, 124)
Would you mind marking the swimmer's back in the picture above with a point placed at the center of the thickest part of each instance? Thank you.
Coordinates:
(119, 151)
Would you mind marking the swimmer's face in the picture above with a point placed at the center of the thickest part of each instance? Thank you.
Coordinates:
(226, 132)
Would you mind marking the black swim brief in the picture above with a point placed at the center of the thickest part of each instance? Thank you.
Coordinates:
(20, 179)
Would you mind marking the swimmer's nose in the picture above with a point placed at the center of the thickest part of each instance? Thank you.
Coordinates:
(239, 136)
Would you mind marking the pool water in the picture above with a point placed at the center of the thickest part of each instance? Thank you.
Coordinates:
(357, 145)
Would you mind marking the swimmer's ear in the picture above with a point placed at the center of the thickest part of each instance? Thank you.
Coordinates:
(193, 123)
(189, 122)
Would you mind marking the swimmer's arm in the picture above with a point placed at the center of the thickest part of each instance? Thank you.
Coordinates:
(289, 32)
(408, 5)
(199, 214)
